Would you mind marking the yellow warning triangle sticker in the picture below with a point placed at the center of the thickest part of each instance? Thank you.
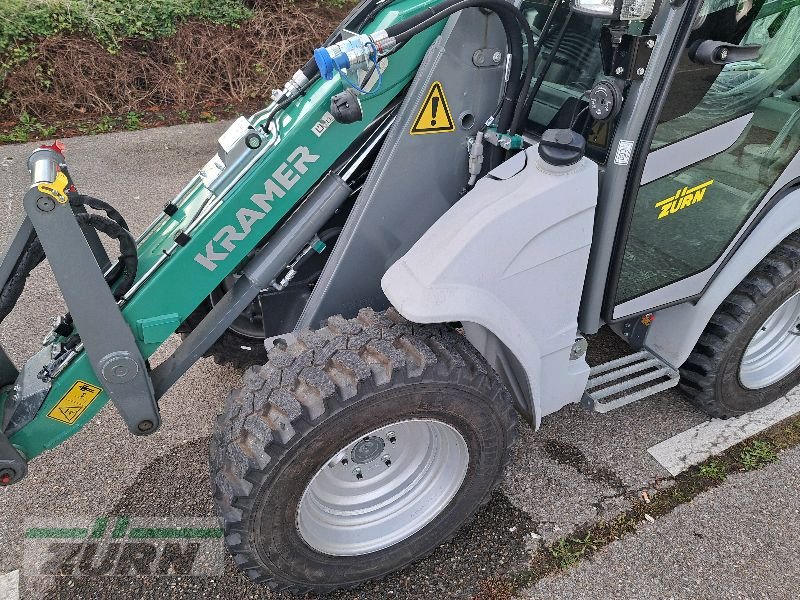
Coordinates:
(434, 116)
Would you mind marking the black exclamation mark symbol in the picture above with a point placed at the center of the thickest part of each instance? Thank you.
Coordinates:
(435, 109)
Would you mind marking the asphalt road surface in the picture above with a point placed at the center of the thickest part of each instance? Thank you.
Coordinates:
(740, 540)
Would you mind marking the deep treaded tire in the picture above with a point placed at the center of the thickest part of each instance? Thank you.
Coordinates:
(711, 375)
(330, 387)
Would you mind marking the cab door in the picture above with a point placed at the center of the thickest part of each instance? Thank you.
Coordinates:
(727, 141)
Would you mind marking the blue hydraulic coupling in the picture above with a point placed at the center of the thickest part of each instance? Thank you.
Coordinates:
(352, 52)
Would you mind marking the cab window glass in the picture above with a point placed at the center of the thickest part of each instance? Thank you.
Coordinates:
(702, 97)
(576, 66)
(683, 222)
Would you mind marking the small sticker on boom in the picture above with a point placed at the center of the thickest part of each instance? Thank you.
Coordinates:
(434, 116)
(322, 125)
(74, 402)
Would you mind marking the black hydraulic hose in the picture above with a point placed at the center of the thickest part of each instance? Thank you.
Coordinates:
(128, 256)
(502, 15)
(114, 215)
(310, 69)
(545, 29)
(311, 72)
(523, 109)
(373, 13)
(98, 204)
(513, 88)
(33, 255)
(30, 258)
(405, 30)
(546, 67)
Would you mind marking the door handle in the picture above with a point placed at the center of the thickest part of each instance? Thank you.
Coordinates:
(709, 52)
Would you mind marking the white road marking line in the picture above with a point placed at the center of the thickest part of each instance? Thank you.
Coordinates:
(695, 445)
(9, 586)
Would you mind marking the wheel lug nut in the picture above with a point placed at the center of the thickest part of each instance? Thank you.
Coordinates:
(387, 460)
(392, 437)
(357, 473)
(345, 461)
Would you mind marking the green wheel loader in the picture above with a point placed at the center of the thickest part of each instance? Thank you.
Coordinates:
(408, 248)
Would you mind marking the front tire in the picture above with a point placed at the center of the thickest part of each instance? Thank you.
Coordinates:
(749, 354)
(299, 458)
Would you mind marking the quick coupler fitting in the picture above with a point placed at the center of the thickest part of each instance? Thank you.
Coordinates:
(355, 51)
(291, 88)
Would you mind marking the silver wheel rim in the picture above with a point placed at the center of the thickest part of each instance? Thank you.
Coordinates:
(382, 487)
(774, 351)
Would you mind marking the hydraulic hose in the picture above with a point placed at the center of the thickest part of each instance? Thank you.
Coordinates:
(372, 14)
(30, 258)
(312, 74)
(524, 108)
(114, 215)
(98, 204)
(546, 67)
(128, 260)
(33, 255)
(508, 14)
(309, 69)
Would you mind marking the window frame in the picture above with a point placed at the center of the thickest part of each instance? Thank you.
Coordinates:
(695, 283)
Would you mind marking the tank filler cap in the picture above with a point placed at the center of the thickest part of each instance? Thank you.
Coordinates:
(562, 147)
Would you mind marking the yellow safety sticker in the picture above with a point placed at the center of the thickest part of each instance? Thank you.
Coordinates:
(434, 116)
(683, 198)
(74, 402)
(57, 189)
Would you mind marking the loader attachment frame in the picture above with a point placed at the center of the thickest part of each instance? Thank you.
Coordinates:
(268, 198)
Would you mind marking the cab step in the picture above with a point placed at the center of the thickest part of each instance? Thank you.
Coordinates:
(628, 379)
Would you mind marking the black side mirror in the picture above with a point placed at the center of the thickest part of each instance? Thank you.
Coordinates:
(709, 52)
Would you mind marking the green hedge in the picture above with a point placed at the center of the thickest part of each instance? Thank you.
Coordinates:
(107, 21)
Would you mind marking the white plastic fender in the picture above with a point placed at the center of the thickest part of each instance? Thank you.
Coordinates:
(511, 258)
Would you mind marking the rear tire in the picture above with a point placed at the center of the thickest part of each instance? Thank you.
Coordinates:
(733, 371)
(335, 395)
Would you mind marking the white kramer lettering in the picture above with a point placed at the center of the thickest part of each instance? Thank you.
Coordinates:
(282, 180)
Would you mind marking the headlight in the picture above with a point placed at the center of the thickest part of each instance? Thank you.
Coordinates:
(623, 10)
(595, 8)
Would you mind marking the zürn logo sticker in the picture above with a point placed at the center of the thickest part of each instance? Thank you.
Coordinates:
(103, 546)
(683, 198)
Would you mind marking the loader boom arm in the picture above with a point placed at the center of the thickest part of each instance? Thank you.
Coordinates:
(240, 198)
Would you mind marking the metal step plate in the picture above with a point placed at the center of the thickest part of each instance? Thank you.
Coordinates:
(628, 379)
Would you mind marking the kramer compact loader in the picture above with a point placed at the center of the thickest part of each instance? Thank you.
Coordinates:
(496, 180)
